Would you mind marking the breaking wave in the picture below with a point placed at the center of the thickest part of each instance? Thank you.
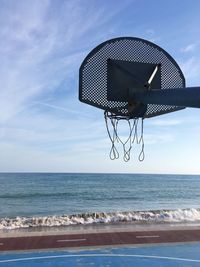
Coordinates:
(155, 216)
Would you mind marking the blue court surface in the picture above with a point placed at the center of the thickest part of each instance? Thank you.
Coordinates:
(152, 256)
(159, 255)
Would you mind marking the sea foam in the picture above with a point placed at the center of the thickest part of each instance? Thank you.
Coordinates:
(156, 216)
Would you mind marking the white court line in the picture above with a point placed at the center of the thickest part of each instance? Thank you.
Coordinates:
(147, 236)
(101, 255)
(72, 240)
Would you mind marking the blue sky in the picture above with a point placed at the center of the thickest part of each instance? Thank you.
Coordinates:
(43, 126)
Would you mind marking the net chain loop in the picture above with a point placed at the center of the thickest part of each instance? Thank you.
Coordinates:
(134, 137)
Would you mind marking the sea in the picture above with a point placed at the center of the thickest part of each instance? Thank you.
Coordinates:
(61, 199)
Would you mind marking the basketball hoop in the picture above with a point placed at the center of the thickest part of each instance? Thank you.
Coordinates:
(112, 124)
(132, 79)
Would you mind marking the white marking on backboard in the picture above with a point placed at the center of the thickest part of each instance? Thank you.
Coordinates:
(152, 75)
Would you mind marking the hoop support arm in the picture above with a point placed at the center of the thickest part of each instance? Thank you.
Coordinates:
(181, 97)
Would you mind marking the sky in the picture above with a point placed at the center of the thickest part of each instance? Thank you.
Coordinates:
(44, 127)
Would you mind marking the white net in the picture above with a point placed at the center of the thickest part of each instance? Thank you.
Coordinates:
(135, 135)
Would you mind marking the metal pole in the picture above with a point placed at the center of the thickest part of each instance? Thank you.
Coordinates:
(181, 97)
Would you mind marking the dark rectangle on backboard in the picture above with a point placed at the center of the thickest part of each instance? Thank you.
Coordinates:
(124, 75)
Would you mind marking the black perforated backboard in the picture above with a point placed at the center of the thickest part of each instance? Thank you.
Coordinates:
(117, 64)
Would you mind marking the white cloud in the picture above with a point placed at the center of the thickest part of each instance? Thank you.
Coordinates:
(60, 108)
(189, 48)
(52, 132)
(158, 138)
(166, 122)
(191, 70)
(40, 47)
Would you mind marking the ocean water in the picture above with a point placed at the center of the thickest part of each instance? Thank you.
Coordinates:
(52, 199)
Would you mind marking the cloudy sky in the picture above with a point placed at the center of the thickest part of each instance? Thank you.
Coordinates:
(43, 126)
